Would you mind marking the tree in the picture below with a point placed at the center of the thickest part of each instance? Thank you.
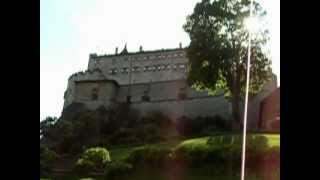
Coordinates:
(46, 125)
(218, 50)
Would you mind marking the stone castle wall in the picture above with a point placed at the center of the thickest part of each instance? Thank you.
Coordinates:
(146, 67)
(192, 108)
(160, 75)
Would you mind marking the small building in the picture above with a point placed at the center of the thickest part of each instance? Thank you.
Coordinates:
(270, 112)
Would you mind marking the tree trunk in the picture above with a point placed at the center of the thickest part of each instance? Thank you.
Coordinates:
(236, 112)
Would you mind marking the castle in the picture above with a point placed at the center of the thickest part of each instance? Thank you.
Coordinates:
(149, 80)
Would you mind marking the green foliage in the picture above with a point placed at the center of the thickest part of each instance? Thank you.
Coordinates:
(47, 157)
(202, 125)
(117, 125)
(221, 150)
(93, 159)
(46, 125)
(218, 49)
(150, 155)
(117, 169)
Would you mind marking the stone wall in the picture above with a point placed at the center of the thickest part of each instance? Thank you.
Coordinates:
(158, 75)
(159, 91)
(104, 90)
(209, 106)
(89, 75)
(254, 104)
(270, 111)
(146, 67)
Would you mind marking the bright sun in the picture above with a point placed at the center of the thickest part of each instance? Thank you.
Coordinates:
(253, 24)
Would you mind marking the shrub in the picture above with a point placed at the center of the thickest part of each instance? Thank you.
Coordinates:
(47, 156)
(117, 169)
(222, 150)
(150, 155)
(257, 144)
(201, 125)
(93, 159)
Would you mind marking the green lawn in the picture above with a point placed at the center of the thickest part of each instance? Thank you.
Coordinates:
(121, 153)
(186, 174)
(191, 174)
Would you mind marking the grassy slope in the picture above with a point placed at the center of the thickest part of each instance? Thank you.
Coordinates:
(120, 153)
(190, 174)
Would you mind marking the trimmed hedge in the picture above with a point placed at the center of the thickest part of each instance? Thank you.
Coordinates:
(92, 160)
(224, 150)
(117, 169)
(154, 156)
(47, 156)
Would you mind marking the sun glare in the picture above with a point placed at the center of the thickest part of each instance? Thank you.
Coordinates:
(253, 24)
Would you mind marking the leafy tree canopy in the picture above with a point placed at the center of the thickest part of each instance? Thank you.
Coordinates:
(219, 48)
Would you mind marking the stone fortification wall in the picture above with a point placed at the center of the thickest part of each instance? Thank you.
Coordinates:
(159, 91)
(209, 106)
(89, 75)
(146, 67)
(254, 105)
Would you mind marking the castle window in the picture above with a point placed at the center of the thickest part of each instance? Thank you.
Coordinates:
(145, 97)
(182, 94)
(129, 99)
(94, 95)
(182, 66)
(174, 66)
(136, 69)
(151, 68)
(113, 71)
(125, 70)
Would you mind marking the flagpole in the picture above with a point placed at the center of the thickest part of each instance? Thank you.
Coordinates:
(246, 101)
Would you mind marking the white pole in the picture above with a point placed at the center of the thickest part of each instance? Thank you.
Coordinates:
(246, 101)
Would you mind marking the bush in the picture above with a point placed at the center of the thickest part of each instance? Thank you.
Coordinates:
(195, 154)
(47, 156)
(222, 150)
(92, 160)
(201, 125)
(149, 155)
(117, 169)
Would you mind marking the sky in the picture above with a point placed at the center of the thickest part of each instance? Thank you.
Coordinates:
(72, 29)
